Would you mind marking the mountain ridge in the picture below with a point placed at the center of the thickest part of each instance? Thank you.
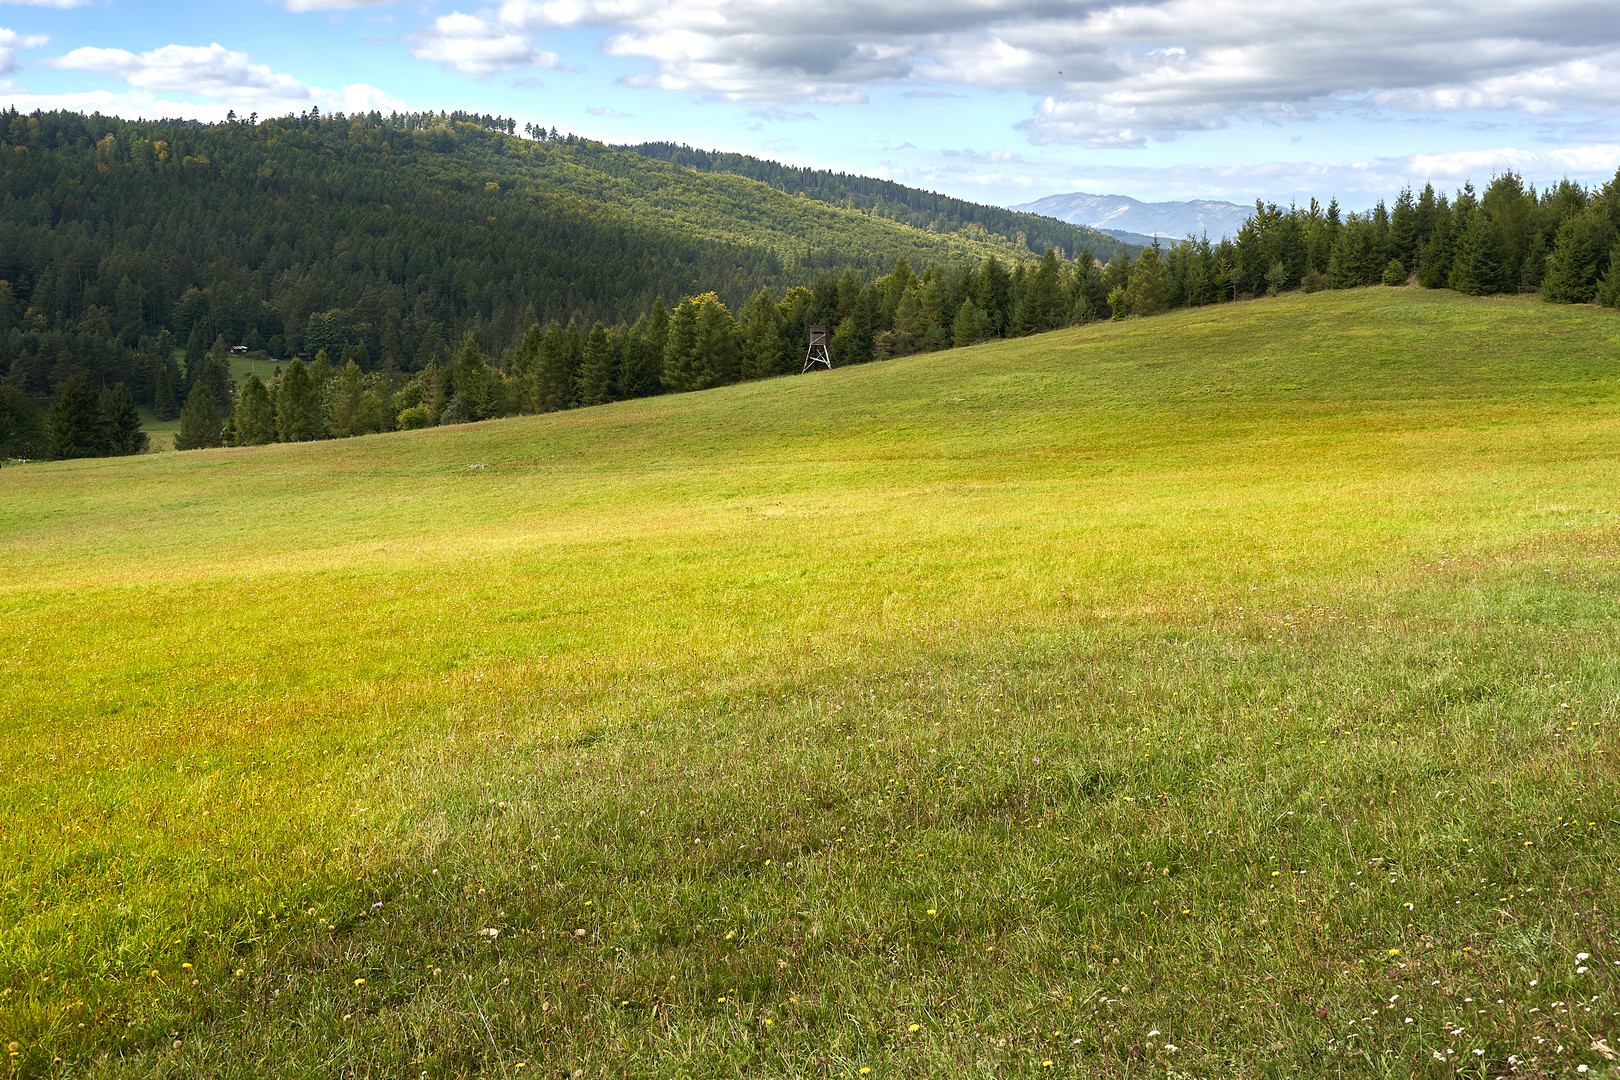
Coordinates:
(1117, 214)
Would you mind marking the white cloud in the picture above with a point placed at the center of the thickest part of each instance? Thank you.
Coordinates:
(62, 5)
(211, 71)
(608, 112)
(363, 98)
(477, 45)
(11, 41)
(1122, 73)
(1357, 184)
(332, 5)
(195, 82)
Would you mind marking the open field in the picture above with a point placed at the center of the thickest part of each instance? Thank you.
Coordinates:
(1229, 693)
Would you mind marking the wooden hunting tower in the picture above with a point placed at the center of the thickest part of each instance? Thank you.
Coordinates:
(819, 354)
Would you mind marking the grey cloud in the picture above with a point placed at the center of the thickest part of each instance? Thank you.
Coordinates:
(1124, 74)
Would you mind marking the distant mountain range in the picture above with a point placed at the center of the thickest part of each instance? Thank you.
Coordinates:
(1136, 221)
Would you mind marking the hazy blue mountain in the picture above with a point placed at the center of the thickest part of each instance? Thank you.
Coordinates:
(1116, 214)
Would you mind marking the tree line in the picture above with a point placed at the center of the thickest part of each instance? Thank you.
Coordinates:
(698, 344)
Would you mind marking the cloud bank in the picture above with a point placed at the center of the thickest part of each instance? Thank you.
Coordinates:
(1119, 74)
(193, 82)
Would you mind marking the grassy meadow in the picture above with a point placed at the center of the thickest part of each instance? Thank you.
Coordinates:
(1224, 694)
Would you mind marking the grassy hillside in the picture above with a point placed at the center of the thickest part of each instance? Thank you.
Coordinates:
(1229, 693)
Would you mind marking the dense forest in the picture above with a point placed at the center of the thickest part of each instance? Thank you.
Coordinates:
(429, 268)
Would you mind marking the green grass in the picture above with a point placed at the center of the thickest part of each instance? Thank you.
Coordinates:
(1050, 701)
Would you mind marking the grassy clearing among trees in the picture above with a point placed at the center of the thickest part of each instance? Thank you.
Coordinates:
(1227, 693)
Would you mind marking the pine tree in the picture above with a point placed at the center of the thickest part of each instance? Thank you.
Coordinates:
(122, 424)
(201, 425)
(1572, 271)
(254, 421)
(74, 422)
(299, 416)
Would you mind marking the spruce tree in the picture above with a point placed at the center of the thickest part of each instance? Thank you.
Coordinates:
(597, 369)
(1474, 267)
(74, 423)
(254, 421)
(683, 369)
(1043, 295)
(299, 416)
(122, 424)
(971, 327)
(165, 405)
(993, 293)
(641, 362)
(196, 350)
(762, 337)
(22, 431)
(1572, 271)
(1608, 291)
(1145, 291)
(201, 425)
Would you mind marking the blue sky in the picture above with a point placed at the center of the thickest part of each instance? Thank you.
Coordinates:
(994, 100)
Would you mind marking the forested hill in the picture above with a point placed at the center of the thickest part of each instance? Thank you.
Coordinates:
(399, 232)
(896, 202)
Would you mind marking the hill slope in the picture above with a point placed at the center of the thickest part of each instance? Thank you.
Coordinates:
(412, 230)
(889, 200)
(893, 717)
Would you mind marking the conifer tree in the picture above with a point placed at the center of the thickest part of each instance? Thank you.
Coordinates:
(196, 350)
(762, 337)
(641, 360)
(1474, 267)
(597, 368)
(1043, 295)
(1572, 271)
(971, 326)
(474, 386)
(299, 416)
(1608, 291)
(702, 349)
(254, 421)
(993, 293)
(74, 422)
(122, 424)
(165, 406)
(22, 432)
(523, 368)
(1145, 291)
(201, 425)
